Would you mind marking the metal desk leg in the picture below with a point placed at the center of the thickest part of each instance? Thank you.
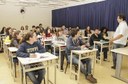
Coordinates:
(55, 74)
(94, 62)
(24, 76)
(118, 65)
(78, 75)
(60, 58)
(20, 73)
(71, 64)
(47, 73)
(101, 53)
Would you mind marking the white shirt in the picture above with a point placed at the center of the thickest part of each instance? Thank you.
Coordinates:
(123, 30)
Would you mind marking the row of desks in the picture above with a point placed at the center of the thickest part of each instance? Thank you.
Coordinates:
(48, 60)
(93, 56)
(25, 61)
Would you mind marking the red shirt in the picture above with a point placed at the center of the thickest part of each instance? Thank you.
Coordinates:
(49, 35)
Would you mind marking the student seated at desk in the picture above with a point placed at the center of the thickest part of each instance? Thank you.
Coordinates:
(8, 35)
(104, 33)
(38, 31)
(16, 39)
(74, 43)
(33, 28)
(53, 30)
(27, 49)
(2, 34)
(3, 31)
(22, 29)
(41, 27)
(87, 31)
(48, 32)
(97, 37)
(60, 37)
(43, 34)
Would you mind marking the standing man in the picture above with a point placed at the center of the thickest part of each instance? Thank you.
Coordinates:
(120, 37)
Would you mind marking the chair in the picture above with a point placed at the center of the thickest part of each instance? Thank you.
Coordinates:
(68, 63)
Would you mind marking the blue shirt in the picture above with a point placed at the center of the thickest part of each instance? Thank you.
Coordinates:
(73, 44)
(25, 49)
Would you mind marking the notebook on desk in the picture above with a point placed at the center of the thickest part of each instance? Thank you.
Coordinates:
(42, 55)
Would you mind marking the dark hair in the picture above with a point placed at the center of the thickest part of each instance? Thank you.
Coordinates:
(57, 33)
(14, 37)
(7, 30)
(26, 27)
(54, 30)
(102, 29)
(40, 24)
(3, 30)
(74, 32)
(121, 16)
(37, 27)
(96, 29)
(22, 11)
(33, 26)
(16, 33)
(8, 33)
(87, 30)
(28, 35)
(22, 28)
(46, 32)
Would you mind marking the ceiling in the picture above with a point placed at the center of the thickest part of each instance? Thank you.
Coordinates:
(45, 3)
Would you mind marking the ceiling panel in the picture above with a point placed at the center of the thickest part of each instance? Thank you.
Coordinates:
(42, 3)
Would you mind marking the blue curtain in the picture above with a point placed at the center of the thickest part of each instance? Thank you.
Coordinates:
(95, 15)
(59, 17)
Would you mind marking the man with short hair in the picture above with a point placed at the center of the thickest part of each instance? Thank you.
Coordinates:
(75, 43)
(120, 37)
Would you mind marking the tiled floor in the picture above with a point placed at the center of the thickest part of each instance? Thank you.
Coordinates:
(103, 73)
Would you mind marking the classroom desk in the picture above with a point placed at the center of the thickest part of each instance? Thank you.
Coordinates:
(47, 41)
(102, 44)
(5, 46)
(83, 54)
(61, 45)
(86, 39)
(12, 51)
(122, 52)
(39, 36)
(47, 59)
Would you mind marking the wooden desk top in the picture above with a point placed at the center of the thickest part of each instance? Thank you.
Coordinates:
(59, 43)
(83, 51)
(101, 42)
(123, 51)
(12, 49)
(40, 58)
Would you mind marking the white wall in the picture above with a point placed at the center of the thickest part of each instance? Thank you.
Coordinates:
(10, 16)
